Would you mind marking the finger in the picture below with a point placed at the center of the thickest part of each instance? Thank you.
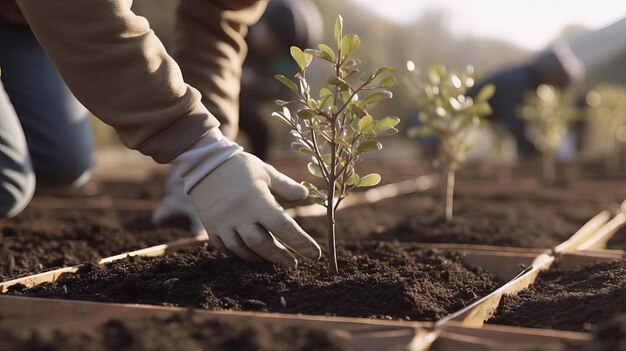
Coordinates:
(289, 232)
(265, 245)
(284, 186)
(234, 244)
(217, 243)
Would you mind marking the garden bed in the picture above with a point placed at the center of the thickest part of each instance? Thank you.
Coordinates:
(533, 222)
(569, 299)
(41, 239)
(378, 280)
(177, 332)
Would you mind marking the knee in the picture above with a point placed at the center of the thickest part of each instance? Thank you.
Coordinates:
(16, 191)
(68, 168)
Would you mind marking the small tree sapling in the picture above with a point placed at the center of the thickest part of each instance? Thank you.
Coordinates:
(607, 109)
(550, 112)
(335, 128)
(446, 111)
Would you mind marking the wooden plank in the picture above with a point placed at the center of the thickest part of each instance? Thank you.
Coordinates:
(20, 313)
(583, 234)
(496, 337)
(599, 239)
(478, 312)
(53, 275)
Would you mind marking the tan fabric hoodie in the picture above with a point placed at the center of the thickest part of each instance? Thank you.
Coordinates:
(117, 67)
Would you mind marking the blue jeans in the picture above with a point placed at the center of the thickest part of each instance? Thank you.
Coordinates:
(45, 133)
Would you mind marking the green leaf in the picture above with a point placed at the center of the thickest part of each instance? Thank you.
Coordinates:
(288, 82)
(382, 69)
(486, 92)
(349, 44)
(327, 158)
(334, 80)
(326, 101)
(482, 109)
(282, 103)
(338, 30)
(353, 179)
(325, 92)
(303, 60)
(365, 122)
(387, 122)
(378, 96)
(367, 77)
(315, 170)
(367, 146)
(306, 113)
(282, 118)
(388, 82)
(327, 51)
(309, 186)
(388, 131)
(370, 180)
(301, 148)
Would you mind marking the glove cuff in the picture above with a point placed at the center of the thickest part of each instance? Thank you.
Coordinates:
(204, 156)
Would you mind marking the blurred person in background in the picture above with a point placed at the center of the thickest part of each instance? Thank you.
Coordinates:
(577, 63)
(284, 24)
(180, 110)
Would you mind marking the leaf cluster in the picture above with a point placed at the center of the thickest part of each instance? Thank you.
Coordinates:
(607, 105)
(333, 126)
(447, 111)
(550, 111)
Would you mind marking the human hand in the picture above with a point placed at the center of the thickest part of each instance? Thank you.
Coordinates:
(242, 217)
(175, 205)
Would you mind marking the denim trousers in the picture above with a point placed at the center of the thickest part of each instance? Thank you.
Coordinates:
(45, 133)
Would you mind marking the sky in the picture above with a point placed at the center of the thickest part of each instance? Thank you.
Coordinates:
(531, 24)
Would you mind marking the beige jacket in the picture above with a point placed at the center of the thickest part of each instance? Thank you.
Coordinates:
(116, 66)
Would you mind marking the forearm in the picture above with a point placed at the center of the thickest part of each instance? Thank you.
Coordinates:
(119, 70)
(210, 49)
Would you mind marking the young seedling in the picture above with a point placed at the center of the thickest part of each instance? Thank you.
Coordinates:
(445, 110)
(607, 108)
(550, 112)
(334, 127)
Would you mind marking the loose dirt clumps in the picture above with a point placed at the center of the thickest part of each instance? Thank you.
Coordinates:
(378, 280)
(572, 299)
(417, 218)
(179, 332)
(43, 239)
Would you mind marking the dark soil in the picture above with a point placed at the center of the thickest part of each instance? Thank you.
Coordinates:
(43, 239)
(495, 221)
(179, 332)
(378, 280)
(568, 299)
(611, 335)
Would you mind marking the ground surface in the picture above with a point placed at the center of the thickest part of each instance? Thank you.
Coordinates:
(377, 280)
(568, 299)
(43, 239)
(178, 332)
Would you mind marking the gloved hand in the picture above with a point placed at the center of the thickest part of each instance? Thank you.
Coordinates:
(176, 204)
(236, 206)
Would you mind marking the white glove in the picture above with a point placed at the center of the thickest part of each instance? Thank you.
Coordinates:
(176, 204)
(235, 203)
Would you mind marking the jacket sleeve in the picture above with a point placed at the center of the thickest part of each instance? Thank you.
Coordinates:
(210, 48)
(116, 66)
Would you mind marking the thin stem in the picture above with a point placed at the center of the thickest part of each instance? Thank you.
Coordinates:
(448, 191)
(548, 166)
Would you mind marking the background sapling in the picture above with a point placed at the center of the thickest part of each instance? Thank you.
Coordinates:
(550, 113)
(334, 127)
(607, 109)
(445, 110)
